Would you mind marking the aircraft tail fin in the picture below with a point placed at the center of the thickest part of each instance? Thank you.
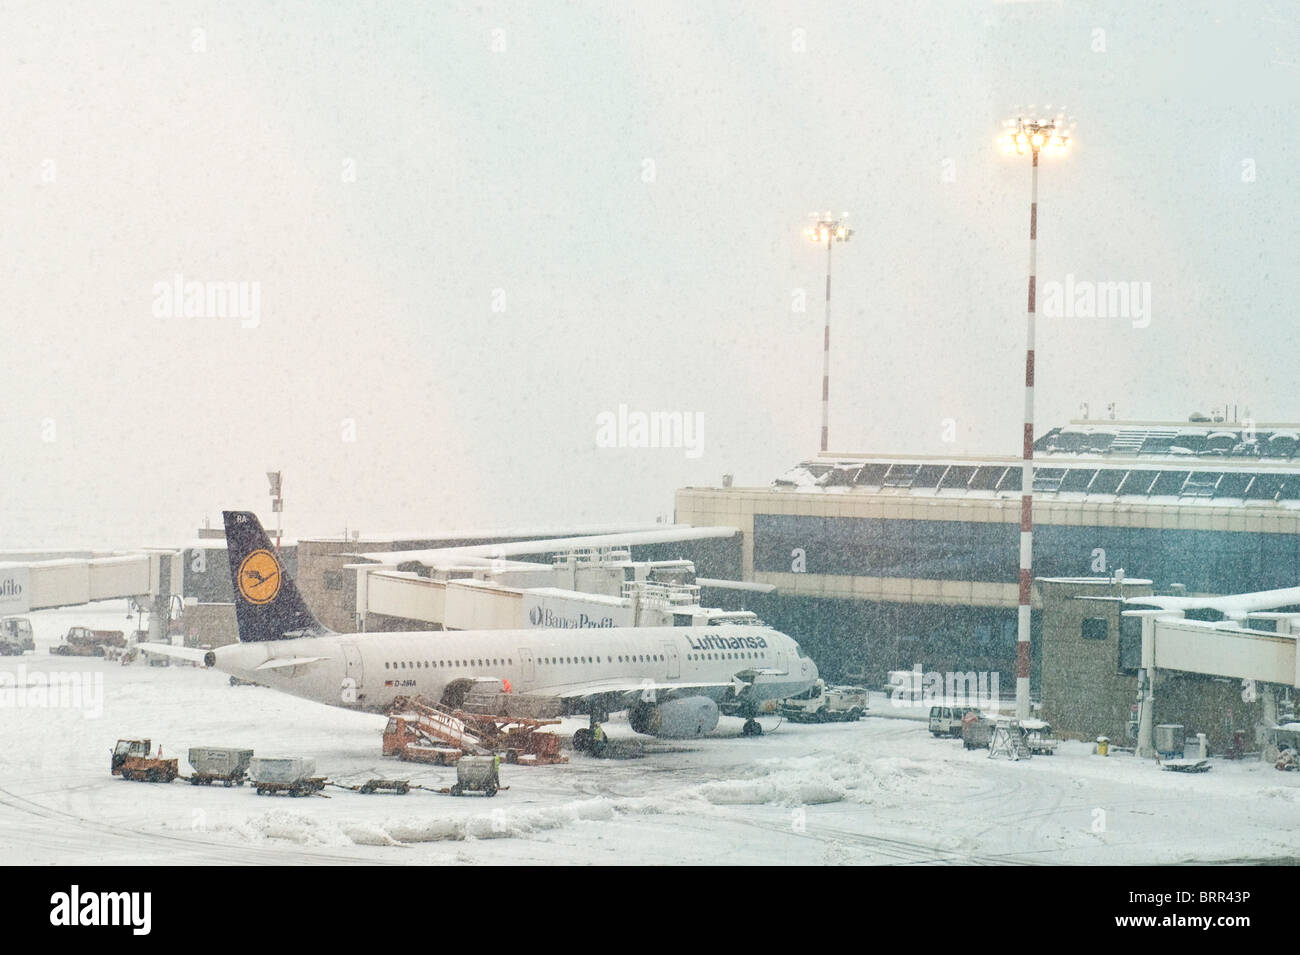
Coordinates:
(268, 605)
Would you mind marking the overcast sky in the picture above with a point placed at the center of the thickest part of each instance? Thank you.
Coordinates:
(476, 227)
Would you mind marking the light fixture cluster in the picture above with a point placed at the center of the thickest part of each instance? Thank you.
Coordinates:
(1035, 136)
(828, 227)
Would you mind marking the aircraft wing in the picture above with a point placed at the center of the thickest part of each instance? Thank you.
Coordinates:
(188, 654)
(628, 692)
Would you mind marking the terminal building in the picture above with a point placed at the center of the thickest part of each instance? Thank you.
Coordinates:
(881, 562)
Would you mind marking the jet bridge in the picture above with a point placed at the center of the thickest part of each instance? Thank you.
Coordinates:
(1225, 649)
(588, 582)
(152, 575)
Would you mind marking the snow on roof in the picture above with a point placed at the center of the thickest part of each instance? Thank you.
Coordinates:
(735, 585)
(492, 533)
(574, 595)
(662, 535)
(1231, 605)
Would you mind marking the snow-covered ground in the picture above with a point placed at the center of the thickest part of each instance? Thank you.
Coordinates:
(878, 791)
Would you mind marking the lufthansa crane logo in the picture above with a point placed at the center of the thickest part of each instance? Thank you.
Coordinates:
(259, 577)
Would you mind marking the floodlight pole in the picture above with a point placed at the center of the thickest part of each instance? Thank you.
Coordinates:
(1032, 137)
(826, 352)
(828, 229)
(1024, 653)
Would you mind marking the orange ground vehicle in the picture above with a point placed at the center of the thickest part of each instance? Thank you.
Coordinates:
(84, 642)
(428, 732)
(131, 760)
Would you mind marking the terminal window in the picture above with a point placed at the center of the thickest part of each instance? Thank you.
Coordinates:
(1095, 628)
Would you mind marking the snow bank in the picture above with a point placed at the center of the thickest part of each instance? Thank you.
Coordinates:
(806, 781)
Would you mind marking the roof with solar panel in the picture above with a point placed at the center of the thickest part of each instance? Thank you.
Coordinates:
(1210, 462)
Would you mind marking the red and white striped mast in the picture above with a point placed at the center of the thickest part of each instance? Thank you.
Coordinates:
(827, 229)
(1031, 137)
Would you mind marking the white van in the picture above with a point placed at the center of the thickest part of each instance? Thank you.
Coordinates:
(946, 720)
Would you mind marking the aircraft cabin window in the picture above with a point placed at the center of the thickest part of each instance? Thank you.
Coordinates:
(385, 664)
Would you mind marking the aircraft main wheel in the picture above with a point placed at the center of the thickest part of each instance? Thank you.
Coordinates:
(582, 740)
(751, 728)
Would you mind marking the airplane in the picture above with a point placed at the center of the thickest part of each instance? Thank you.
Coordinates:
(672, 681)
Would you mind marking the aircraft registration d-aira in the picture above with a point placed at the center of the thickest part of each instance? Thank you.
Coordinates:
(672, 681)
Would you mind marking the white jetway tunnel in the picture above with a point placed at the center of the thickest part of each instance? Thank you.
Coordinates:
(589, 581)
(473, 604)
(68, 582)
(1225, 649)
(470, 604)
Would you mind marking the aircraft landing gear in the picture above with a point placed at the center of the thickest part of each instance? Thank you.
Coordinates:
(592, 738)
(751, 728)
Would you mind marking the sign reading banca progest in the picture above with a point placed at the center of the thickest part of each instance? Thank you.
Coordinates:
(551, 612)
(15, 590)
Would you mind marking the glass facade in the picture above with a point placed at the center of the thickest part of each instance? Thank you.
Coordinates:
(860, 636)
(1204, 561)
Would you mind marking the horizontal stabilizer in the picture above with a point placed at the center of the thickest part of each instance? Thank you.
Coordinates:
(280, 663)
(188, 654)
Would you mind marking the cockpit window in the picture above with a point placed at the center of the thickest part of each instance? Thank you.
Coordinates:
(799, 650)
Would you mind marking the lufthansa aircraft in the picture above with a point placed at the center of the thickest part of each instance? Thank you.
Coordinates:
(672, 681)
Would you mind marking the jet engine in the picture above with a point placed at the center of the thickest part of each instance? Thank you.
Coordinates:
(675, 719)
